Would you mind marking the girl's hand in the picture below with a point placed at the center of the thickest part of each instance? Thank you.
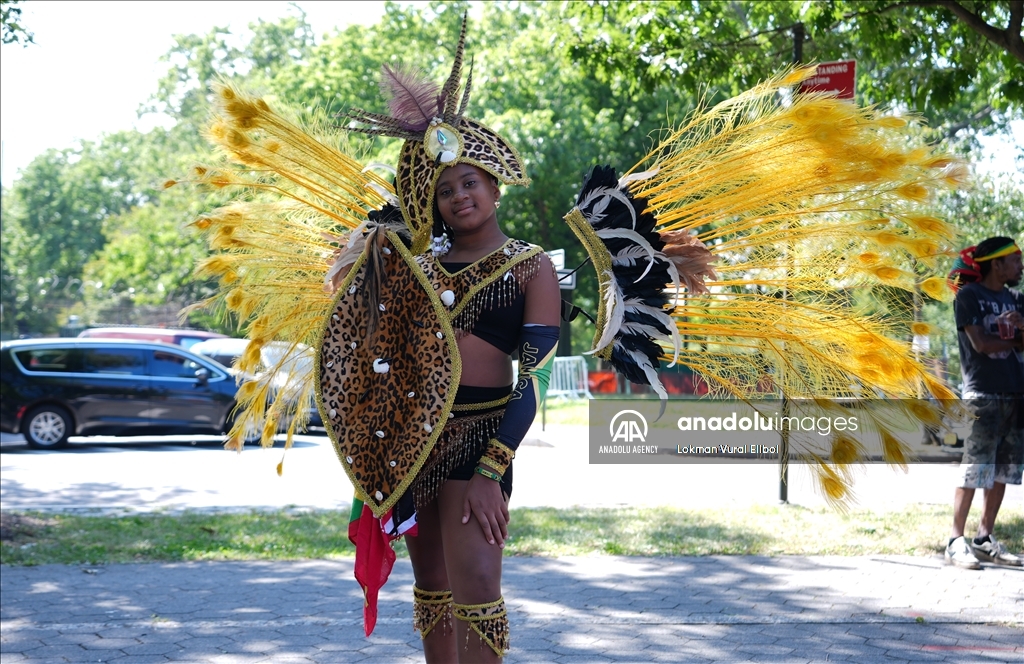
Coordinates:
(483, 500)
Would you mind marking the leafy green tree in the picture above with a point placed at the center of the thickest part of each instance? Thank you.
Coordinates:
(53, 222)
(62, 211)
(993, 206)
(132, 250)
(13, 31)
(961, 64)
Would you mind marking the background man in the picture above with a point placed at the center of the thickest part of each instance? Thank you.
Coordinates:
(989, 320)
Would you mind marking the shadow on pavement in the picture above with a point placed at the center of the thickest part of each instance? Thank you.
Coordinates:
(581, 609)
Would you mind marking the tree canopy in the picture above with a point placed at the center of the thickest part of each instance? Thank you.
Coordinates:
(960, 64)
(89, 229)
(13, 31)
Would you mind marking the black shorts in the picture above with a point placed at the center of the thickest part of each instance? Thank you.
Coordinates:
(468, 395)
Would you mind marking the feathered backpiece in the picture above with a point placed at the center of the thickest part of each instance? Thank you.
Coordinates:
(437, 135)
(739, 245)
(305, 208)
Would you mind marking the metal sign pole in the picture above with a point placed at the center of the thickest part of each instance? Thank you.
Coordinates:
(798, 56)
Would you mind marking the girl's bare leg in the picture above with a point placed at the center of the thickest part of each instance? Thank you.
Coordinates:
(476, 566)
(426, 551)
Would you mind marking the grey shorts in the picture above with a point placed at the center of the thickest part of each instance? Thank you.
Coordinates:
(994, 450)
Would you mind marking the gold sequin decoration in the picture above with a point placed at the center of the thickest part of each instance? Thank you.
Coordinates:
(489, 621)
(430, 607)
(498, 456)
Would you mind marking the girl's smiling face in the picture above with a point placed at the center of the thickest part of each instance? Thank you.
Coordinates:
(466, 197)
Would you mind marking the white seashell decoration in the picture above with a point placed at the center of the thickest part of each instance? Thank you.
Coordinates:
(448, 298)
(380, 366)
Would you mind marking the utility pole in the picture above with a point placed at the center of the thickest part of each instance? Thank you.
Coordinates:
(798, 56)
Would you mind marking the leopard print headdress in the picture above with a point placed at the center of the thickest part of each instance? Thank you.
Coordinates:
(437, 135)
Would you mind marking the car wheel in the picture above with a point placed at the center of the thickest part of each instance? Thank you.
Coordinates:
(47, 427)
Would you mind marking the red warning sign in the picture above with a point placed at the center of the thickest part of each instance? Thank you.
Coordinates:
(835, 77)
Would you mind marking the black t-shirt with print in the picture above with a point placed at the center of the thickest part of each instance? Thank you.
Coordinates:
(994, 372)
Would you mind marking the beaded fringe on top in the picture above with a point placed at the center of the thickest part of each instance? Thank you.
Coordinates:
(499, 294)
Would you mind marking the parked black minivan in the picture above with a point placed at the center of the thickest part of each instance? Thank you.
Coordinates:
(51, 389)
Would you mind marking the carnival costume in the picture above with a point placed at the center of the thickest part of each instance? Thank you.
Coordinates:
(740, 232)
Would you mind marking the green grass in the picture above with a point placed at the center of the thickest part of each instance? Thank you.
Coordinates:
(566, 411)
(34, 538)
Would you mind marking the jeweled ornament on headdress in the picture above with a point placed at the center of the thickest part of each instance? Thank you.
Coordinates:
(444, 141)
(437, 135)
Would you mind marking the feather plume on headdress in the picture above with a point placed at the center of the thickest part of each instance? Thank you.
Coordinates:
(451, 87)
(413, 99)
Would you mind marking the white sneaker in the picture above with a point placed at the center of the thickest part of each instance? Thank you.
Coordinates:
(992, 551)
(959, 553)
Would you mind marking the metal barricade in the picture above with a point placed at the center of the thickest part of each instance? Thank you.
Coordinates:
(568, 381)
(569, 378)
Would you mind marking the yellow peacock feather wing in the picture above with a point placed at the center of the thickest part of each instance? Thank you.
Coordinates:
(766, 216)
(302, 196)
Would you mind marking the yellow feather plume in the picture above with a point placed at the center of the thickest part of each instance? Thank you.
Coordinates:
(296, 186)
(811, 207)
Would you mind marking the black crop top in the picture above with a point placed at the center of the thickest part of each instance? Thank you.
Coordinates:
(498, 326)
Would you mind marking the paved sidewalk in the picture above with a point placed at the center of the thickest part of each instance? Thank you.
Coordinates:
(585, 609)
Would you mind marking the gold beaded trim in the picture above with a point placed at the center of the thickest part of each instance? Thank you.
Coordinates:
(429, 607)
(498, 456)
(484, 405)
(598, 253)
(489, 621)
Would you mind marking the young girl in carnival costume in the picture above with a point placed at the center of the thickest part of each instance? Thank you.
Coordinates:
(742, 231)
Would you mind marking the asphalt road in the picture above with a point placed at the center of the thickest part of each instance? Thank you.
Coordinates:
(552, 469)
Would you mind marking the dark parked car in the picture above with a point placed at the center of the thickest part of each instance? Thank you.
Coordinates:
(227, 352)
(183, 338)
(51, 389)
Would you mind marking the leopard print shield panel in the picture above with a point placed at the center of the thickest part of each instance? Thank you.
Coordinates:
(384, 399)
(389, 424)
(419, 171)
